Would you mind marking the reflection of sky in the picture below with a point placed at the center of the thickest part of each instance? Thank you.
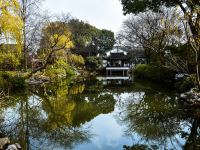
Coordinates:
(12, 114)
(108, 134)
(108, 131)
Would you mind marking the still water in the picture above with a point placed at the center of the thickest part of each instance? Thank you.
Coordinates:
(103, 114)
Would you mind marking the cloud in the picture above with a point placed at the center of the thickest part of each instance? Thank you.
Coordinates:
(105, 14)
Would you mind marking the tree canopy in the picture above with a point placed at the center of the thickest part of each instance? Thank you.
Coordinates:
(88, 37)
(136, 6)
(10, 33)
(82, 32)
(104, 40)
(10, 21)
(190, 18)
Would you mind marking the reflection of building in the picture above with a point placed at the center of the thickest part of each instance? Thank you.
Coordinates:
(116, 80)
(116, 61)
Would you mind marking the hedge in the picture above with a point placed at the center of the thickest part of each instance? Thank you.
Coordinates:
(155, 73)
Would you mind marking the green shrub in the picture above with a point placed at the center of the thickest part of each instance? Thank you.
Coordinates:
(155, 73)
(69, 72)
(5, 75)
(59, 70)
(92, 63)
(141, 70)
(12, 80)
(3, 82)
(17, 82)
(185, 84)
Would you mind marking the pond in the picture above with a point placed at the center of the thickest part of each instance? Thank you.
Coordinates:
(100, 114)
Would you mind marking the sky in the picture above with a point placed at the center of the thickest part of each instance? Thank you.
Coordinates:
(104, 14)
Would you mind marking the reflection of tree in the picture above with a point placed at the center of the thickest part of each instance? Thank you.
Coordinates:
(192, 135)
(33, 123)
(52, 115)
(140, 147)
(157, 120)
(153, 117)
(193, 139)
(73, 105)
(91, 105)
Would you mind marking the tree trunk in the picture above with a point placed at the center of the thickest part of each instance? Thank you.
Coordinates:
(197, 69)
(44, 66)
(24, 2)
(194, 28)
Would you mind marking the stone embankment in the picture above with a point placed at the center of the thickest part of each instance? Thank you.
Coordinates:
(37, 80)
(5, 144)
(191, 97)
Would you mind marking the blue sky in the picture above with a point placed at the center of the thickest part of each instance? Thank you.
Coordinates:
(104, 14)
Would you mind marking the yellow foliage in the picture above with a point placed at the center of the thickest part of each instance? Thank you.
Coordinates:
(11, 31)
(62, 109)
(63, 41)
(57, 36)
(77, 89)
(77, 59)
(10, 21)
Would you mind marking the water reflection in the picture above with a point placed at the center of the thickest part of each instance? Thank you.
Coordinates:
(51, 116)
(35, 129)
(124, 81)
(156, 120)
(94, 115)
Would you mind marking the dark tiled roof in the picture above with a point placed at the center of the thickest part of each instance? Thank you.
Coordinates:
(117, 56)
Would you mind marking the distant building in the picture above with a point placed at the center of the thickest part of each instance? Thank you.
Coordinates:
(137, 54)
(116, 60)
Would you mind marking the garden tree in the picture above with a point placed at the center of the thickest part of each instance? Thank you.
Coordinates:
(191, 14)
(76, 60)
(153, 32)
(82, 33)
(90, 38)
(104, 41)
(93, 63)
(10, 33)
(56, 41)
(30, 15)
(180, 57)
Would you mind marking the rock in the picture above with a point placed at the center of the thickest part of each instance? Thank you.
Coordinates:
(195, 97)
(33, 82)
(37, 80)
(198, 94)
(44, 78)
(4, 142)
(183, 96)
(191, 97)
(15, 146)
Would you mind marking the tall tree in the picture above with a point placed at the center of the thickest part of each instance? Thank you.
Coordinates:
(88, 37)
(153, 32)
(191, 11)
(10, 32)
(30, 15)
(82, 33)
(104, 41)
(56, 37)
